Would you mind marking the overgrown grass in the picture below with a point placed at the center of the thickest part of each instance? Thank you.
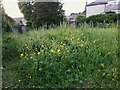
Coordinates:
(61, 57)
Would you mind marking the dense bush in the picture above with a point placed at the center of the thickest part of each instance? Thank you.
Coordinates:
(102, 18)
(81, 18)
(8, 23)
(99, 19)
(9, 48)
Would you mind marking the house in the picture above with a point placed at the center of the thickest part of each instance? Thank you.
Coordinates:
(71, 18)
(113, 6)
(17, 20)
(102, 6)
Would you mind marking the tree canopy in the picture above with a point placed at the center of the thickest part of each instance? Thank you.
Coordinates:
(7, 22)
(40, 14)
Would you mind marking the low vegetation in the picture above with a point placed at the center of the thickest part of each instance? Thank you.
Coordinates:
(62, 57)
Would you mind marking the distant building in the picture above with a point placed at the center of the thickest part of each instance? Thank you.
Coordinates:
(102, 6)
(113, 6)
(17, 20)
(72, 18)
(22, 23)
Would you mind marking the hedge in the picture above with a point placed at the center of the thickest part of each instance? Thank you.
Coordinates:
(101, 18)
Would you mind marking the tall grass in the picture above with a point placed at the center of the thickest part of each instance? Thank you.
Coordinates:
(62, 57)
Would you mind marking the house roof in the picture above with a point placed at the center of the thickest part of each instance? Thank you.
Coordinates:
(96, 3)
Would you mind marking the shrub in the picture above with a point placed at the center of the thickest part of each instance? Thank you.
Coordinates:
(7, 23)
(9, 48)
(81, 18)
(101, 19)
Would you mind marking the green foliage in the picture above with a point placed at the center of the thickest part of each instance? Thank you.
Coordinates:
(96, 20)
(39, 14)
(10, 48)
(7, 22)
(62, 57)
(102, 18)
(81, 18)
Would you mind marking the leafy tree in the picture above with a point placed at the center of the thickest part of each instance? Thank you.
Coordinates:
(7, 22)
(39, 14)
(27, 9)
(81, 18)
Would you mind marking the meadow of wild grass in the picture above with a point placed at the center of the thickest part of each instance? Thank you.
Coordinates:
(61, 57)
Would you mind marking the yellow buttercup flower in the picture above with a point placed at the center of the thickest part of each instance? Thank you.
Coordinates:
(21, 54)
(51, 50)
(19, 80)
(58, 50)
(102, 65)
(38, 53)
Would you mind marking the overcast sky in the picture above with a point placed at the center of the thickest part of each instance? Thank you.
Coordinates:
(70, 6)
